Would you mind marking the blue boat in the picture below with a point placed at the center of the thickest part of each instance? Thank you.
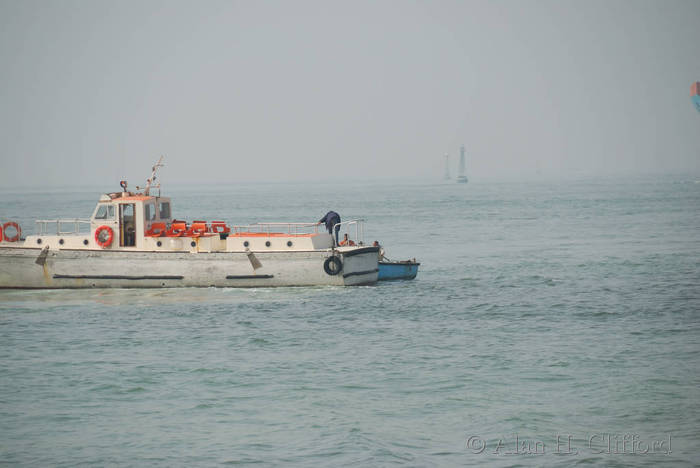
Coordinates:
(408, 269)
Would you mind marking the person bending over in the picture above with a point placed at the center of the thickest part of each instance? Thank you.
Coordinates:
(331, 219)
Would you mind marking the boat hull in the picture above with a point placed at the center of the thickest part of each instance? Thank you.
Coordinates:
(26, 269)
(397, 270)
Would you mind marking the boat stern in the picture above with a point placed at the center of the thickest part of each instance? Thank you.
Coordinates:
(359, 265)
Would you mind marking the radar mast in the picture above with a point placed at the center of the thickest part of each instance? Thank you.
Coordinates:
(150, 181)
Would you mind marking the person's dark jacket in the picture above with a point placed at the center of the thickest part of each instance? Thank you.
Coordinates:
(330, 219)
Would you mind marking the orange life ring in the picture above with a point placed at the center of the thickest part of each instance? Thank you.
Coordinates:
(104, 242)
(17, 235)
(0, 232)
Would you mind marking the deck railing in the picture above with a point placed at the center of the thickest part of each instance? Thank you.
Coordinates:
(284, 228)
(301, 228)
(74, 225)
(358, 224)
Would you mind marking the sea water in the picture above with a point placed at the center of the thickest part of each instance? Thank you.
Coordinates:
(551, 324)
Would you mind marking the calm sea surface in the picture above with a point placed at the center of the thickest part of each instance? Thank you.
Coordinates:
(542, 311)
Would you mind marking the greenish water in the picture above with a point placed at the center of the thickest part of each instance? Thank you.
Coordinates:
(541, 310)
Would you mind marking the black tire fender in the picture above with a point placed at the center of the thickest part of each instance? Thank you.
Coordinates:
(333, 265)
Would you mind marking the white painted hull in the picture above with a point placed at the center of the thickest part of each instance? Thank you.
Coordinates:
(82, 268)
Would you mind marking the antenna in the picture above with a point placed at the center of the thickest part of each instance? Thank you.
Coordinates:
(150, 180)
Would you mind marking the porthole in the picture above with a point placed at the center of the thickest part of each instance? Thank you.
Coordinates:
(246, 244)
(193, 244)
(61, 241)
(267, 244)
(85, 242)
(289, 243)
(38, 241)
(159, 243)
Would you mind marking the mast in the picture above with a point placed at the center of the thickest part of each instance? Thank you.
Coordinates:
(150, 180)
(447, 166)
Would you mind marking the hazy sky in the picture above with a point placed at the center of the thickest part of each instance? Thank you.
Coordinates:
(93, 91)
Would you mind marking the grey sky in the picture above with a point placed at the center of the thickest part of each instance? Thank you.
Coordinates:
(295, 90)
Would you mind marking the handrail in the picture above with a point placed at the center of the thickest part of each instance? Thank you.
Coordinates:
(359, 228)
(267, 228)
(43, 225)
(293, 228)
(285, 224)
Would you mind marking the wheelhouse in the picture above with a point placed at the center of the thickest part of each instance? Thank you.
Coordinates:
(131, 216)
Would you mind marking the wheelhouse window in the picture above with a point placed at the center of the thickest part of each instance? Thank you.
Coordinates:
(150, 211)
(164, 210)
(105, 212)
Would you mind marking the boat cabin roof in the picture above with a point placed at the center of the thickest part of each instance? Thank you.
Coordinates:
(124, 197)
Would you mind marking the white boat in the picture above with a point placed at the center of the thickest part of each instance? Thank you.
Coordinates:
(132, 240)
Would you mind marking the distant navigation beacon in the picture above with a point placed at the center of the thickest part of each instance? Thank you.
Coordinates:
(447, 166)
(695, 94)
(461, 178)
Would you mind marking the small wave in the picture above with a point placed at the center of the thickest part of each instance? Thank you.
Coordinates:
(259, 341)
(559, 364)
(203, 406)
(136, 390)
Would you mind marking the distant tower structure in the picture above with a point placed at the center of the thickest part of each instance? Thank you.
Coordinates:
(461, 178)
(447, 166)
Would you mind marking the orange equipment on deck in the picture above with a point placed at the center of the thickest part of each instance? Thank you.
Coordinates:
(157, 230)
(177, 229)
(219, 227)
(198, 228)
